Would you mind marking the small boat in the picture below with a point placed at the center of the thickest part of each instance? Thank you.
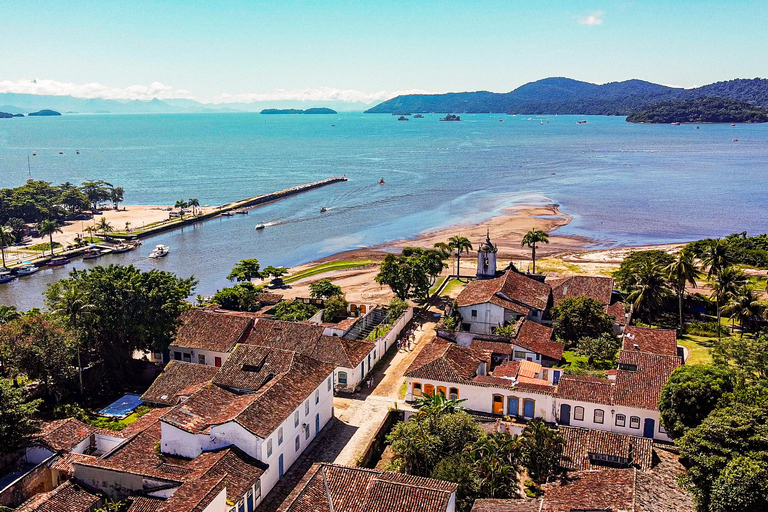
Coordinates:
(6, 277)
(451, 117)
(733, 124)
(675, 124)
(34, 153)
(735, 140)
(121, 248)
(323, 209)
(58, 261)
(77, 152)
(27, 270)
(227, 214)
(501, 120)
(381, 181)
(697, 127)
(160, 251)
(242, 211)
(402, 118)
(61, 152)
(260, 226)
(542, 123)
(92, 254)
(418, 116)
(581, 122)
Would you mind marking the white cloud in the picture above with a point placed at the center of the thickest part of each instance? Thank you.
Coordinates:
(313, 94)
(93, 90)
(595, 18)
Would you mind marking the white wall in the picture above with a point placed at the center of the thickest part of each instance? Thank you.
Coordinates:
(219, 503)
(489, 316)
(210, 355)
(609, 418)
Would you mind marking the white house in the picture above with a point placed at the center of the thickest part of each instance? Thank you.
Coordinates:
(229, 441)
(489, 303)
(207, 336)
(352, 489)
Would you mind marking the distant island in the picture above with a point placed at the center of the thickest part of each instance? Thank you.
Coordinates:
(5, 115)
(45, 112)
(298, 111)
(700, 110)
(568, 96)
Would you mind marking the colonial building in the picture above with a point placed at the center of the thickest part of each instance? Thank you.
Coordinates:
(329, 487)
(208, 336)
(486, 258)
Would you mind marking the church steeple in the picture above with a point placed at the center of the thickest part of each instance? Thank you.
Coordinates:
(486, 258)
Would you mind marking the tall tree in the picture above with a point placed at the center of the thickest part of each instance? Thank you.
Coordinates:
(324, 289)
(542, 447)
(6, 234)
(680, 272)
(496, 458)
(246, 270)
(580, 317)
(195, 204)
(116, 196)
(48, 227)
(17, 424)
(744, 306)
(531, 238)
(459, 244)
(97, 192)
(724, 284)
(649, 288)
(717, 256)
(104, 226)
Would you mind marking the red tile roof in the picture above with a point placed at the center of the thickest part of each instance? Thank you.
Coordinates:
(144, 422)
(445, 361)
(618, 312)
(145, 504)
(294, 336)
(63, 464)
(508, 369)
(580, 443)
(538, 338)
(642, 387)
(195, 495)
(512, 287)
(66, 497)
(611, 489)
(178, 380)
(508, 505)
(64, 435)
(585, 389)
(594, 287)
(329, 487)
(494, 347)
(656, 341)
(210, 330)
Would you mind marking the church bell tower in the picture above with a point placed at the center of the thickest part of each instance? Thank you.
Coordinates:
(486, 258)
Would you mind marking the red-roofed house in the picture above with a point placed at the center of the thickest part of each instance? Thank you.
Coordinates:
(208, 336)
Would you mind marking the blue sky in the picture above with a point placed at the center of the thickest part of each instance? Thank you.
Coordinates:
(244, 50)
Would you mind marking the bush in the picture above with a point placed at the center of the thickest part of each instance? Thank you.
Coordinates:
(335, 307)
(580, 317)
(397, 307)
(707, 329)
(294, 311)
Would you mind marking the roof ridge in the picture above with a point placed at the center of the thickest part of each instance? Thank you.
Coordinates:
(327, 490)
(408, 484)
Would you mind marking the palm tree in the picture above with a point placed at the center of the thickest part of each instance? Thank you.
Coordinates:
(49, 227)
(438, 404)
(716, 256)
(459, 244)
(5, 233)
(181, 204)
(649, 289)
(194, 203)
(67, 299)
(496, 461)
(744, 305)
(91, 230)
(531, 238)
(724, 285)
(104, 226)
(679, 273)
(127, 227)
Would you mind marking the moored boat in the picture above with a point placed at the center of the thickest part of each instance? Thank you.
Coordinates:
(92, 254)
(227, 214)
(242, 211)
(27, 270)
(121, 248)
(159, 251)
(59, 261)
(6, 277)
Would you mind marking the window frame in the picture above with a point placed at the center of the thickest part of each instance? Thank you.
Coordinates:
(342, 378)
(602, 416)
(200, 358)
(632, 419)
(453, 393)
(317, 396)
(279, 436)
(296, 418)
(623, 418)
(297, 443)
(428, 389)
(576, 410)
(306, 407)
(533, 413)
(269, 447)
(441, 389)
(414, 387)
(330, 379)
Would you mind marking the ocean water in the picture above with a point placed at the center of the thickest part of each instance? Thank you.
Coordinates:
(624, 184)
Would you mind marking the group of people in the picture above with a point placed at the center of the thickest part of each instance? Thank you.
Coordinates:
(408, 340)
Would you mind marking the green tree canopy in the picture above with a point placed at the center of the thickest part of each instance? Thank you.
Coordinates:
(531, 238)
(245, 270)
(17, 423)
(48, 227)
(541, 449)
(627, 275)
(411, 273)
(603, 348)
(324, 289)
(580, 317)
(741, 487)
(335, 308)
(294, 311)
(690, 394)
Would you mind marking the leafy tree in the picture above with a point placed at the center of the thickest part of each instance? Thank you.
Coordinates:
(459, 244)
(726, 434)
(580, 317)
(679, 273)
(744, 306)
(116, 196)
(132, 311)
(724, 284)
(497, 458)
(48, 228)
(531, 238)
(324, 289)
(396, 308)
(746, 357)
(274, 272)
(412, 273)
(245, 270)
(17, 425)
(104, 226)
(602, 348)
(437, 404)
(8, 314)
(460, 470)
(741, 487)
(97, 192)
(335, 307)
(294, 311)
(40, 348)
(73, 199)
(690, 394)
(626, 276)
(240, 297)
(541, 449)
(6, 235)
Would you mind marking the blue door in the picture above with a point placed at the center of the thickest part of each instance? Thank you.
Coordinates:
(512, 406)
(528, 408)
(280, 468)
(648, 428)
(317, 424)
(565, 414)
(556, 376)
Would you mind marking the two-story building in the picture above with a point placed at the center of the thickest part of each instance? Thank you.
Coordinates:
(207, 336)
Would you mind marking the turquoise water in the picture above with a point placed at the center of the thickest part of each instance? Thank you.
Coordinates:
(623, 183)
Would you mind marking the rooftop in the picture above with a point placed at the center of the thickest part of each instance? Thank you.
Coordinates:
(512, 289)
(587, 449)
(64, 435)
(594, 287)
(330, 487)
(656, 341)
(203, 329)
(178, 380)
(68, 496)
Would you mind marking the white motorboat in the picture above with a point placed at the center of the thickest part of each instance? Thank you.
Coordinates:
(159, 251)
(260, 226)
(27, 270)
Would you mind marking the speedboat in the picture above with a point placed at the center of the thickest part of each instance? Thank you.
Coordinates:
(59, 261)
(581, 122)
(159, 251)
(92, 254)
(733, 124)
(6, 276)
(675, 124)
(242, 211)
(27, 270)
(260, 226)
(227, 214)
(323, 209)
(121, 248)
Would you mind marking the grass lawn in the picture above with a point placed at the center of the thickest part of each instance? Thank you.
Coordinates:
(451, 286)
(437, 285)
(113, 424)
(699, 348)
(326, 267)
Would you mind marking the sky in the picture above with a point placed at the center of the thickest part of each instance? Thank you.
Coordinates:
(361, 50)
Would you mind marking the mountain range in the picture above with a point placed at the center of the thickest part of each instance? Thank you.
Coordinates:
(568, 96)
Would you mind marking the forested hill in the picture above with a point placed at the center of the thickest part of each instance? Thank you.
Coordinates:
(568, 96)
(700, 110)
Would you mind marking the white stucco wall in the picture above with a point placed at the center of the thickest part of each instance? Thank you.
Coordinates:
(210, 355)
(609, 421)
(489, 316)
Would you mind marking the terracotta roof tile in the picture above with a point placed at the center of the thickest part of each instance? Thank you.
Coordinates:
(195, 495)
(144, 422)
(618, 312)
(538, 338)
(328, 487)
(509, 505)
(511, 287)
(642, 387)
(594, 287)
(611, 489)
(68, 496)
(64, 435)
(445, 361)
(178, 380)
(656, 341)
(507, 369)
(495, 347)
(296, 336)
(269, 298)
(585, 389)
(580, 443)
(63, 463)
(210, 330)
(145, 504)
